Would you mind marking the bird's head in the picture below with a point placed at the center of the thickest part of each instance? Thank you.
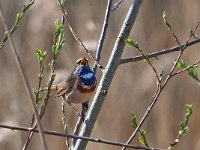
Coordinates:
(82, 61)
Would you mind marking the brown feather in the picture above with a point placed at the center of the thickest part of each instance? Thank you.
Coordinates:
(66, 86)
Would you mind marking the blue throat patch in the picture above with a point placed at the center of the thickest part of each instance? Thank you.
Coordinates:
(87, 76)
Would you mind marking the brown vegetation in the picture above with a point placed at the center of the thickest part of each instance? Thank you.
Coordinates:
(133, 85)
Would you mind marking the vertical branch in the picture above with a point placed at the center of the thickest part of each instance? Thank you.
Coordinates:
(108, 75)
(25, 80)
(98, 57)
(103, 34)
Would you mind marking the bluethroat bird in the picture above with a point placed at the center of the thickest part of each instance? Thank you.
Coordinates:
(79, 86)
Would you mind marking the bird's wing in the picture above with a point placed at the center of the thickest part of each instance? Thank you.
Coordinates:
(66, 86)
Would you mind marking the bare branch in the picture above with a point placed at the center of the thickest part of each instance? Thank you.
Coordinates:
(98, 57)
(97, 140)
(185, 69)
(25, 80)
(116, 5)
(149, 108)
(159, 52)
(130, 42)
(76, 36)
(103, 34)
(161, 87)
(181, 50)
(108, 75)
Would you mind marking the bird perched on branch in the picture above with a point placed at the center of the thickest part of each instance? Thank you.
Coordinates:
(79, 86)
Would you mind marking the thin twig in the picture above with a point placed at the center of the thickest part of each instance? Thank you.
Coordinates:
(161, 87)
(183, 127)
(46, 97)
(179, 56)
(97, 140)
(103, 34)
(37, 93)
(148, 60)
(64, 113)
(159, 52)
(116, 5)
(76, 36)
(185, 69)
(18, 19)
(181, 48)
(25, 80)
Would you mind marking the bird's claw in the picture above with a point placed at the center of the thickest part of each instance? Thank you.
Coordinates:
(79, 114)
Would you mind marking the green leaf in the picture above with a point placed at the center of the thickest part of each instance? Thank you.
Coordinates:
(185, 130)
(143, 134)
(145, 61)
(181, 64)
(34, 92)
(142, 138)
(189, 107)
(40, 55)
(183, 126)
(142, 141)
(62, 3)
(131, 43)
(53, 76)
(5, 35)
(133, 120)
(40, 76)
(192, 32)
(193, 73)
(56, 24)
(50, 65)
(38, 52)
(49, 85)
(58, 38)
(40, 98)
(18, 17)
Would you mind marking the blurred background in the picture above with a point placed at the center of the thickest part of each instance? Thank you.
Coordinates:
(132, 87)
